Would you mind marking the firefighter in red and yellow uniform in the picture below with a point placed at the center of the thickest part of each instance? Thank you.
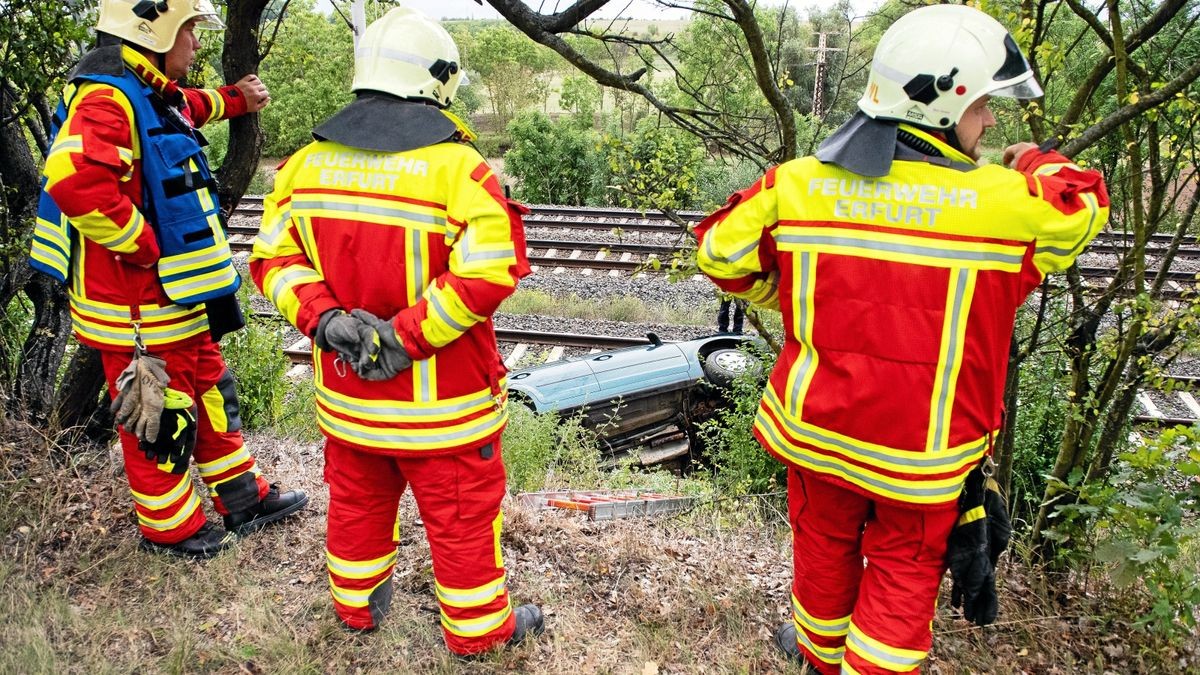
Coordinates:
(898, 265)
(129, 220)
(390, 242)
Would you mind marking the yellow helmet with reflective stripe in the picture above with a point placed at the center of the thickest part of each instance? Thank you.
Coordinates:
(935, 61)
(409, 55)
(154, 24)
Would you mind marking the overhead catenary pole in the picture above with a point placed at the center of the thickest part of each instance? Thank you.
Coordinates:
(819, 77)
(358, 19)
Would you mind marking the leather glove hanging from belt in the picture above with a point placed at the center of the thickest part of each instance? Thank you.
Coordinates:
(976, 542)
(176, 433)
(139, 403)
(393, 358)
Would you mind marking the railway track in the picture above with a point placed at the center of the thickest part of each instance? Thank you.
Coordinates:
(610, 218)
(1178, 406)
(549, 253)
(626, 257)
(1174, 404)
(516, 346)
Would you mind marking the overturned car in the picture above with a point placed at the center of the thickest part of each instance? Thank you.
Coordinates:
(644, 402)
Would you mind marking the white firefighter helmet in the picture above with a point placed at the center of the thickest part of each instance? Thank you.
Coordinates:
(153, 24)
(407, 54)
(936, 61)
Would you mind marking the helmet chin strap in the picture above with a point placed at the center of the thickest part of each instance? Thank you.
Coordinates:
(952, 139)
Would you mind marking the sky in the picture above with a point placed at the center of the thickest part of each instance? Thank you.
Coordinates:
(636, 9)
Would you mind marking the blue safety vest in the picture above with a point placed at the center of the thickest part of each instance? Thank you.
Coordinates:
(179, 201)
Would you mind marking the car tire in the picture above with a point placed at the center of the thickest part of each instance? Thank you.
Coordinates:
(722, 366)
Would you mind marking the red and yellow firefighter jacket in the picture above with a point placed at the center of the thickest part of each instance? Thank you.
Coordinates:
(898, 297)
(93, 173)
(425, 236)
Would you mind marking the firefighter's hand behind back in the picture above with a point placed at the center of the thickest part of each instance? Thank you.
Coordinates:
(393, 358)
(354, 341)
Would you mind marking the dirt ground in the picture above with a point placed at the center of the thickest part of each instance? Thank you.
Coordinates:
(693, 593)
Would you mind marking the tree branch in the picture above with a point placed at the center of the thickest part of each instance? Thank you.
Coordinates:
(1105, 126)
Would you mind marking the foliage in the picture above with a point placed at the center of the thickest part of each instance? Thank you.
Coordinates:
(546, 452)
(718, 179)
(1043, 405)
(255, 356)
(655, 167)
(14, 326)
(299, 417)
(1140, 522)
(512, 67)
(740, 465)
(580, 95)
(309, 73)
(607, 308)
(217, 136)
(554, 162)
(262, 183)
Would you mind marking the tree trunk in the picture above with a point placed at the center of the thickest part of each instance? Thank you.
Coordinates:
(19, 190)
(43, 351)
(38, 363)
(79, 409)
(240, 58)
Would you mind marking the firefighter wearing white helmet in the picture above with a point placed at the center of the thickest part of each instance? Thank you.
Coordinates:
(390, 242)
(129, 215)
(410, 56)
(899, 263)
(932, 81)
(154, 24)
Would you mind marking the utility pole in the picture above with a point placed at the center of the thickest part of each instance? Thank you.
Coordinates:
(819, 77)
(358, 19)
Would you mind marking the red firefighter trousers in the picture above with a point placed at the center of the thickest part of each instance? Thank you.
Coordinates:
(872, 619)
(458, 496)
(168, 509)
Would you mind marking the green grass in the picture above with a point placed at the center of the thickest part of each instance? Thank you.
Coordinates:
(620, 308)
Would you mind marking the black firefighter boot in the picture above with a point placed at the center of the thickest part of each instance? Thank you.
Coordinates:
(529, 622)
(205, 543)
(274, 507)
(785, 640)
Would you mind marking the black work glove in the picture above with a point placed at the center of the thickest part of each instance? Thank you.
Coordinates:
(355, 342)
(176, 438)
(976, 542)
(393, 358)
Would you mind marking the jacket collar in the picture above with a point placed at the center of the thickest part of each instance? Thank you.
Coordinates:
(385, 123)
(943, 148)
(151, 75)
(868, 146)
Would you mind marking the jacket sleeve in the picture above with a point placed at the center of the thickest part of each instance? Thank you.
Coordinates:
(209, 105)
(487, 259)
(279, 264)
(736, 248)
(1075, 202)
(89, 160)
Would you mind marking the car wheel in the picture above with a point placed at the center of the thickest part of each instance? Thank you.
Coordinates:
(724, 365)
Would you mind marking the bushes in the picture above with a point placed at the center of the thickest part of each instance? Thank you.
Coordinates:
(543, 452)
(654, 167)
(740, 465)
(553, 162)
(255, 355)
(1141, 526)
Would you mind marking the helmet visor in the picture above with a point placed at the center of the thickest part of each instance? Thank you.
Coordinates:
(209, 22)
(1025, 89)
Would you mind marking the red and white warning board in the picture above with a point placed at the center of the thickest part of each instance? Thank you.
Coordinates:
(606, 504)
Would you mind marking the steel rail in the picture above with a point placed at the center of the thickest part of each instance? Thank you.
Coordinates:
(510, 336)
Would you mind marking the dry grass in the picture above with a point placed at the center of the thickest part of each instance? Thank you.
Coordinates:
(692, 594)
